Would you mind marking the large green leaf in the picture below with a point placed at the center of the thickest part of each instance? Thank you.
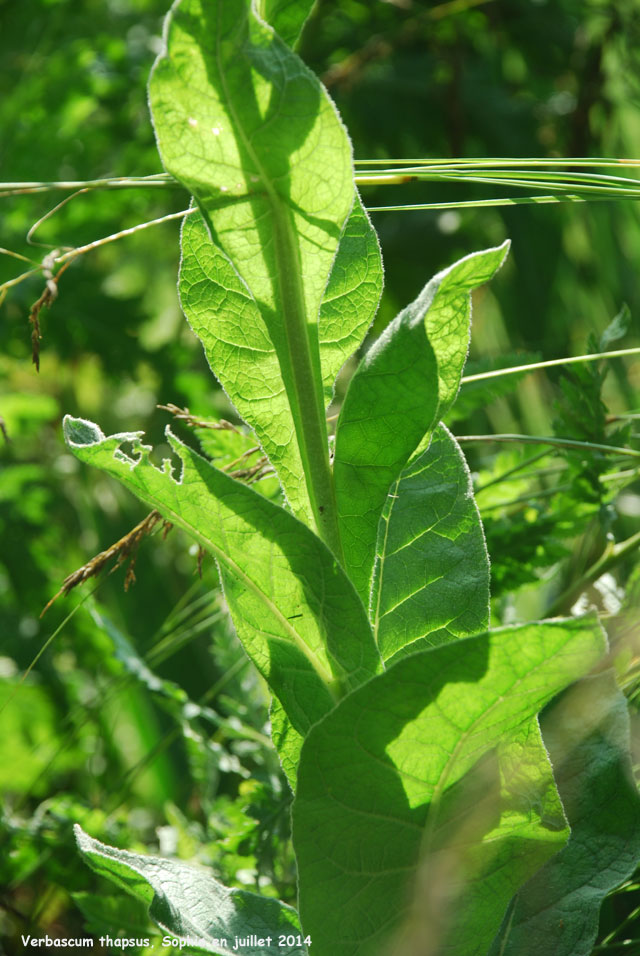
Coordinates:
(251, 132)
(225, 316)
(587, 735)
(392, 400)
(295, 611)
(388, 783)
(193, 907)
(401, 388)
(431, 576)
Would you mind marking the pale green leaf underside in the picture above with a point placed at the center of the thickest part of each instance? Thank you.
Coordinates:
(431, 576)
(376, 772)
(225, 317)
(448, 321)
(249, 129)
(251, 132)
(391, 402)
(293, 608)
(400, 389)
(187, 903)
(587, 736)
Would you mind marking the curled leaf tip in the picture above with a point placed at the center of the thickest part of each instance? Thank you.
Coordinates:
(80, 432)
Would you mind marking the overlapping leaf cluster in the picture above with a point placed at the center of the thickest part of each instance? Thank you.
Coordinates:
(425, 799)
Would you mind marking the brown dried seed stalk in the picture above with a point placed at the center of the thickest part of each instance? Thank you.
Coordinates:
(49, 293)
(259, 470)
(184, 415)
(125, 548)
(245, 454)
(201, 555)
(47, 297)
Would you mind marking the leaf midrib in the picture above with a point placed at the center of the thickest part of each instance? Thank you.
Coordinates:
(309, 414)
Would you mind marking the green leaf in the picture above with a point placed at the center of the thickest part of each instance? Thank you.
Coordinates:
(448, 320)
(403, 385)
(431, 576)
(392, 400)
(190, 905)
(225, 317)
(287, 741)
(587, 735)
(287, 17)
(382, 778)
(293, 608)
(250, 131)
(227, 320)
(352, 295)
(114, 914)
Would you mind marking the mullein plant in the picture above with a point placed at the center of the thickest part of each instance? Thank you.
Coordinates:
(435, 812)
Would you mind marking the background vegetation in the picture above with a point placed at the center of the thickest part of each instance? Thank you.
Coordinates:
(141, 719)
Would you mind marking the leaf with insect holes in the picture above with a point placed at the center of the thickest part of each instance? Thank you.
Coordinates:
(294, 609)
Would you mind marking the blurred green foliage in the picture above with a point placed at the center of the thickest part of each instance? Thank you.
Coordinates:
(141, 720)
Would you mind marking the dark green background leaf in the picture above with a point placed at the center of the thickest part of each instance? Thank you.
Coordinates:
(189, 904)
